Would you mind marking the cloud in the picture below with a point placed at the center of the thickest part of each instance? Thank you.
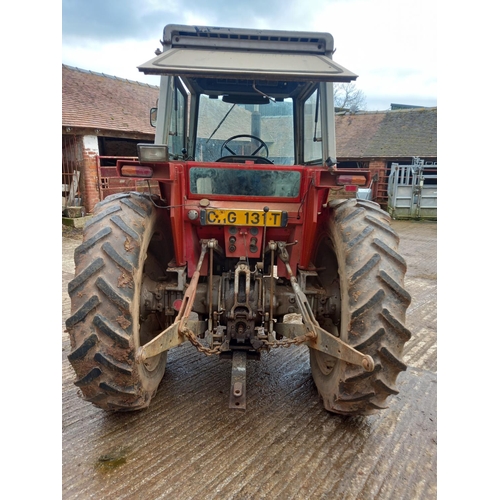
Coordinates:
(114, 20)
(390, 44)
(101, 20)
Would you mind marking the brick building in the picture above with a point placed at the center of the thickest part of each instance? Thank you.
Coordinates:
(101, 116)
(376, 139)
(105, 116)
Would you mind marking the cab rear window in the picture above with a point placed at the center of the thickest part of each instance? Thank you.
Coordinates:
(251, 182)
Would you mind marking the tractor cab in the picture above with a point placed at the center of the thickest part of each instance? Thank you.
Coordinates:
(235, 95)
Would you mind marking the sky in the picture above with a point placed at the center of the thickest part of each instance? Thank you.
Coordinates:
(390, 44)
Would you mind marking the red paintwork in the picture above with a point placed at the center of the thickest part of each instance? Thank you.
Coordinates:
(306, 215)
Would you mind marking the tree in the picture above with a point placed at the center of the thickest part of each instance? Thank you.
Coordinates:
(348, 96)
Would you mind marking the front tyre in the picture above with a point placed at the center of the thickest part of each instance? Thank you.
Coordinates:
(124, 244)
(363, 274)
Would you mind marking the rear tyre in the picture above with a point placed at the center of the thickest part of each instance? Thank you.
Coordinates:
(124, 244)
(363, 274)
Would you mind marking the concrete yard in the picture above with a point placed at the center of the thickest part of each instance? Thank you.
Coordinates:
(189, 445)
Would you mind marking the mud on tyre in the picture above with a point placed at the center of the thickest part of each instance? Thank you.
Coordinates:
(363, 273)
(123, 244)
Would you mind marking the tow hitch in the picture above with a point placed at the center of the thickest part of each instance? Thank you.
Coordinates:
(238, 396)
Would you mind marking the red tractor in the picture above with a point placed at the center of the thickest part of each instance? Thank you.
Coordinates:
(256, 239)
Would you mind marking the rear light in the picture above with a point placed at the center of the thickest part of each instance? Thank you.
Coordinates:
(152, 152)
(351, 188)
(136, 171)
(343, 180)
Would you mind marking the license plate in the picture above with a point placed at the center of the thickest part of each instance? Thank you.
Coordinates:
(223, 217)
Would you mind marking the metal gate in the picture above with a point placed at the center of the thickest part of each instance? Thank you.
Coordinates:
(412, 190)
(72, 161)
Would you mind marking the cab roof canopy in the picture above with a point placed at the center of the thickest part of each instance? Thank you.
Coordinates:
(207, 53)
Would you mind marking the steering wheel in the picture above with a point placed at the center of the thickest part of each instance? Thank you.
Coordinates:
(262, 145)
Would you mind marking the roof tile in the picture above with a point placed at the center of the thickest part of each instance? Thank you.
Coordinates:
(95, 100)
(387, 134)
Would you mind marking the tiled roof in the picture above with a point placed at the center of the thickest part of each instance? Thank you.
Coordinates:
(94, 100)
(387, 134)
